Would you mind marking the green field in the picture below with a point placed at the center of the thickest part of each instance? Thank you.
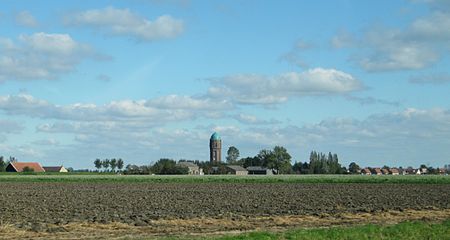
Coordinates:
(401, 231)
(105, 178)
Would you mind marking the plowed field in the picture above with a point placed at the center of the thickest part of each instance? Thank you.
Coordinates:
(51, 207)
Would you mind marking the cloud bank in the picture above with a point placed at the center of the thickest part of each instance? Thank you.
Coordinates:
(41, 56)
(123, 22)
(264, 90)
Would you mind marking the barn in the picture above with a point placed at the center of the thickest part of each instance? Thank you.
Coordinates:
(236, 170)
(258, 170)
(20, 166)
(194, 169)
(60, 169)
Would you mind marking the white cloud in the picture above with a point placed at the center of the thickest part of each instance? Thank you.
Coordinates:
(152, 112)
(412, 136)
(371, 100)
(435, 27)
(436, 78)
(343, 39)
(441, 5)
(253, 120)
(187, 102)
(40, 56)
(387, 50)
(47, 142)
(258, 89)
(25, 18)
(21, 152)
(124, 22)
(8, 126)
(294, 55)
(417, 46)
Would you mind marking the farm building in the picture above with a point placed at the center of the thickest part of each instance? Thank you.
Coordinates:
(236, 170)
(393, 171)
(20, 166)
(258, 170)
(366, 171)
(410, 170)
(376, 171)
(193, 168)
(385, 171)
(55, 169)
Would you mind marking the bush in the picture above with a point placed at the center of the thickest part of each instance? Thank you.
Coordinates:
(28, 169)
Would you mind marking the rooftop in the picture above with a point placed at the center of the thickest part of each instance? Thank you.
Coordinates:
(215, 136)
(236, 168)
(19, 166)
(188, 164)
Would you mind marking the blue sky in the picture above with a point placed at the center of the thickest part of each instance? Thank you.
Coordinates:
(146, 79)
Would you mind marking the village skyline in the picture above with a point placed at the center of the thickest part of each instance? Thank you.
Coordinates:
(142, 80)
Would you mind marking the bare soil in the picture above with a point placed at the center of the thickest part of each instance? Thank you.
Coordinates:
(102, 210)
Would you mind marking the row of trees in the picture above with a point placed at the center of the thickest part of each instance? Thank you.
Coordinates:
(163, 166)
(278, 158)
(109, 165)
(320, 163)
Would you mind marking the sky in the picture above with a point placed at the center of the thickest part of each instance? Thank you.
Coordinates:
(148, 79)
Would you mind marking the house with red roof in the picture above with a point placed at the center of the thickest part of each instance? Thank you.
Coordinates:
(20, 166)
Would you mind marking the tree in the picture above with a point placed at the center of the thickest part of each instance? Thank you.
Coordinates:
(314, 163)
(105, 164)
(113, 164)
(98, 164)
(266, 158)
(27, 169)
(320, 163)
(120, 164)
(282, 159)
(232, 155)
(2, 164)
(250, 161)
(168, 166)
(131, 169)
(300, 168)
(354, 168)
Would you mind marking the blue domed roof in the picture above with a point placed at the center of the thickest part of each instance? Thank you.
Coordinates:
(215, 136)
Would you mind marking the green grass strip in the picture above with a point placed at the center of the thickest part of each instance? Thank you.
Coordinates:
(401, 231)
(111, 178)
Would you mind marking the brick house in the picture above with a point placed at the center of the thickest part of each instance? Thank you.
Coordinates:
(365, 171)
(376, 171)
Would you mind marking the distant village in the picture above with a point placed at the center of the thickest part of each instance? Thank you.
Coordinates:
(267, 162)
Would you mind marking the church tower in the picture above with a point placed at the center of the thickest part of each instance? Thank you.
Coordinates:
(215, 148)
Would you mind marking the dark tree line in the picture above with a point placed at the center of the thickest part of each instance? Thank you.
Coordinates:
(163, 166)
(278, 158)
(168, 167)
(109, 164)
(320, 163)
